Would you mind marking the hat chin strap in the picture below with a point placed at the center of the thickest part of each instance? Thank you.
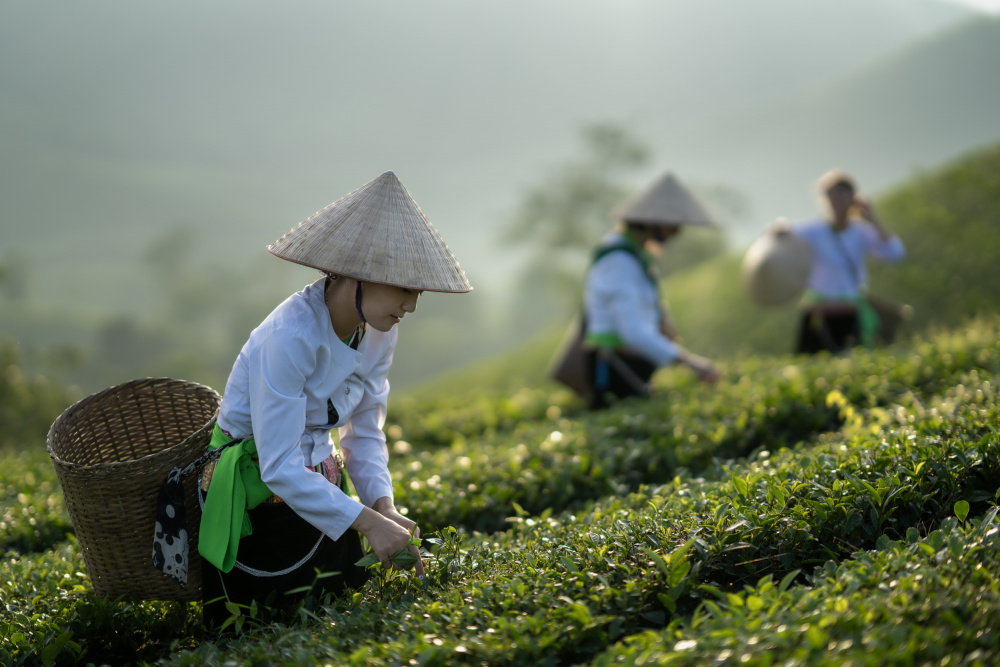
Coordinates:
(357, 295)
(357, 302)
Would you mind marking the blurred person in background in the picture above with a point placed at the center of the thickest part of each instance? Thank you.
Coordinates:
(837, 313)
(277, 507)
(628, 333)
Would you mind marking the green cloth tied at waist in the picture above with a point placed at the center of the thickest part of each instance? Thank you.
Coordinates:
(236, 487)
(868, 319)
(606, 340)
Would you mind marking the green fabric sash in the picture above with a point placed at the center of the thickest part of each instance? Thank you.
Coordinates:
(868, 319)
(605, 340)
(236, 487)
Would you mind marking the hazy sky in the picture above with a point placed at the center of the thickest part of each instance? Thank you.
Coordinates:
(121, 121)
(986, 5)
(245, 117)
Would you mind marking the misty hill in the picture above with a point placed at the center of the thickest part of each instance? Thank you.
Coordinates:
(948, 218)
(120, 120)
(123, 126)
(883, 120)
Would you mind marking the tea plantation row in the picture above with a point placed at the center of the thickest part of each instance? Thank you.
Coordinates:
(557, 464)
(671, 572)
(562, 590)
(692, 554)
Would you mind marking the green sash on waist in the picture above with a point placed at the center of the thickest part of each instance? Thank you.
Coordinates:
(236, 487)
(605, 340)
(868, 319)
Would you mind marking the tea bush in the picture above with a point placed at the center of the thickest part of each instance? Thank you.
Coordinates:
(555, 590)
(28, 403)
(558, 464)
(930, 600)
(50, 615)
(651, 532)
(32, 512)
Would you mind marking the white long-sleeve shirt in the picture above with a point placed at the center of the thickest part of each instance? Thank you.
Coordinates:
(277, 393)
(838, 269)
(620, 299)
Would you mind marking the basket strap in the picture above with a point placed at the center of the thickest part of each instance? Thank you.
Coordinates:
(208, 456)
(170, 535)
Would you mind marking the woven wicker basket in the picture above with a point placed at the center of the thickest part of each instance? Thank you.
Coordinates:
(112, 452)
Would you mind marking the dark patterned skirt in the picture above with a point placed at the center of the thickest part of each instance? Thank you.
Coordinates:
(609, 382)
(282, 554)
(834, 331)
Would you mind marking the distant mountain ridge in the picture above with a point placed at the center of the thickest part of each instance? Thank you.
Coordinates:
(911, 110)
(948, 218)
(119, 120)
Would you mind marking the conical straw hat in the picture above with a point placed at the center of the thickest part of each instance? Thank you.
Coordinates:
(376, 233)
(776, 268)
(665, 202)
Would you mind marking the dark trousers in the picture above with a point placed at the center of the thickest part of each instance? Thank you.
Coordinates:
(608, 384)
(834, 332)
(280, 539)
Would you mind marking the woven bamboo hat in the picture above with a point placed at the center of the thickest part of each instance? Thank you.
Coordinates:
(665, 202)
(776, 268)
(377, 234)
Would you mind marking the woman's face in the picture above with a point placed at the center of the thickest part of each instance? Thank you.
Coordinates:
(384, 305)
(841, 199)
(663, 233)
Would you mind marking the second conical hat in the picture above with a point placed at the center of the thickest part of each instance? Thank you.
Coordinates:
(665, 202)
(376, 233)
(776, 268)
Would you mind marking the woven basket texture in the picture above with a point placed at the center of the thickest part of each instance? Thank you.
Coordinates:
(112, 452)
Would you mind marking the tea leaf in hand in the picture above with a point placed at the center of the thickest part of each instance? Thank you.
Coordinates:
(368, 560)
(403, 558)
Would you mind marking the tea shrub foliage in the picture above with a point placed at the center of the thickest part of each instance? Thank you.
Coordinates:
(801, 511)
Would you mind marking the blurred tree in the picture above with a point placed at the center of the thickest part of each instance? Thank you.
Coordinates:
(169, 253)
(28, 403)
(123, 344)
(561, 219)
(569, 210)
(14, 275)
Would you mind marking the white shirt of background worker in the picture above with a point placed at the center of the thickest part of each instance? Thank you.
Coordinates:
(622, 305)
(842, 244)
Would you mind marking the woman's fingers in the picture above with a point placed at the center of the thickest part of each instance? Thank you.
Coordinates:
(419, 565)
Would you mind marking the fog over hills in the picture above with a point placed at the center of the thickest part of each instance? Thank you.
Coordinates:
(241, 118)
(883, 120)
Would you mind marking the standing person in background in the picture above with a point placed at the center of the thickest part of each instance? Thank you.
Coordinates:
(628, 333)
(836, 313)
(276, 506)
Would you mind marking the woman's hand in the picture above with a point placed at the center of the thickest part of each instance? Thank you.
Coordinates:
(702, 367)
(864, 209)
(387, 536)
(386, 508)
